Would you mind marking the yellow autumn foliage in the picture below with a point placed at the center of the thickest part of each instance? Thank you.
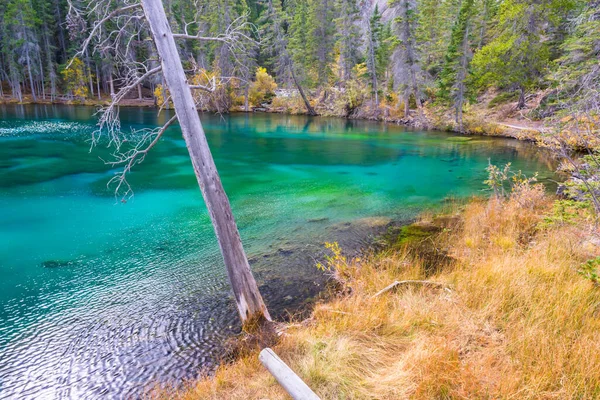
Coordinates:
(160, 94)
(75, 79)
(263, 87)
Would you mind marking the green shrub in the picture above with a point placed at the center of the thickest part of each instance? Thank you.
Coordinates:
(589, 270)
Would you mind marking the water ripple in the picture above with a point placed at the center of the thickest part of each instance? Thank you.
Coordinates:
(65, 130)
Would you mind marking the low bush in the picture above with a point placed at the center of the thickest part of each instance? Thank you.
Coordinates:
(262, 90)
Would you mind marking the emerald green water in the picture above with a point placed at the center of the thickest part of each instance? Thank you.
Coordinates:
(99, 298)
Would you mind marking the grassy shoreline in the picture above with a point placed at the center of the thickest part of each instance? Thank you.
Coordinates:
(511, 318)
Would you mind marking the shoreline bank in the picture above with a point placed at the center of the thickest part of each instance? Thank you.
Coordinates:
(436, 118)
(504, 281)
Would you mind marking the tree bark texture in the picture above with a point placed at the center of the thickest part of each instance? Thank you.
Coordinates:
(248, 299)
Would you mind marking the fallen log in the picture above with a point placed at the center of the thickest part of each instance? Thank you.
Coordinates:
(285, 376)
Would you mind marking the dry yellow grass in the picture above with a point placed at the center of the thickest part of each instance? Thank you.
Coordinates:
(516, 321)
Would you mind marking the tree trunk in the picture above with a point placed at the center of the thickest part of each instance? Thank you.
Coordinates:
(98, 82)
(411, 60)
(248, 299)
(89, 73)
(19, 91)
(43, 83)
(61, 33)
(15, 85)
(112, 83)
(483, 29)
(521, 103)
(371, 47)
(105, 85)
(30, 76)
(462, 74)
(51, 68)
(309, 108)
(164, 91)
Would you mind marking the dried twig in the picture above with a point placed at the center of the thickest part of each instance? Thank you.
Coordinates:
(396, 284)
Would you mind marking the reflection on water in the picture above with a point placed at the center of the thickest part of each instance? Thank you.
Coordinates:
(99, 298)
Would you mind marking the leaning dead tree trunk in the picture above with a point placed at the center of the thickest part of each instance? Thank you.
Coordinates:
(248, 299)
(309, 108)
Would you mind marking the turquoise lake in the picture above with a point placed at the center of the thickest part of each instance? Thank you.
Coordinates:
(99, 298)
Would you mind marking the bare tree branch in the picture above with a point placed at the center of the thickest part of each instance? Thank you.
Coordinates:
(98, 24)
(202, 87)
(223, 39)
(135, 156)
(109, 118)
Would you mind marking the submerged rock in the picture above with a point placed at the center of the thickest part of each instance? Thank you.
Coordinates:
(57, 263)
(285, 251)
(459, 139)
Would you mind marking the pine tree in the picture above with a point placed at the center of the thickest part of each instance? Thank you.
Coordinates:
(383, 54)
(577, 76)
(348, 37)
(47, 26)
(519, 45)
(483, 20)
(518, 55)
(21, 44)
(408, 74)
(374, 28)
(285, 62)
(453, 78)
(320, 40)
(273, 40)
(299, 34)
(436, 19)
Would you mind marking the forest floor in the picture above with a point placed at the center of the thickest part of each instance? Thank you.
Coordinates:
(512, 311)
(494, 119)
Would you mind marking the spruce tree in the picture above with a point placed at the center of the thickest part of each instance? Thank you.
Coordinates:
(453, 77)
(408, 74)
(273, 40)
(299, 37)
(348, 37)
(22, 44)
(320, 40)
(374, 28)
(577, 76)
(520, 51)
